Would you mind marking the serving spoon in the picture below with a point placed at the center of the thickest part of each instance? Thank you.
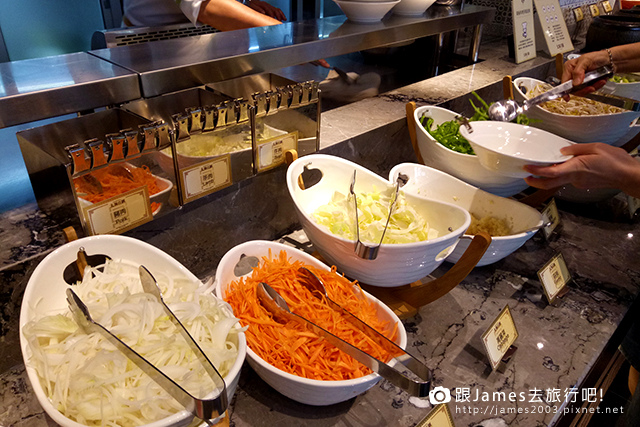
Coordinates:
(508, 109)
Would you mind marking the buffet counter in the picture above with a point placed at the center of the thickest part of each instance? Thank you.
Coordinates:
(560, 346)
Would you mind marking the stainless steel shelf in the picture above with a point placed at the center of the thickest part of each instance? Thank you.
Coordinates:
(171, 65)
(36, 89)
(40, 88)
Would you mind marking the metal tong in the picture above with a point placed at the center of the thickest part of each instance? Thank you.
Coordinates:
(277, 306)
(361, 249)
(205, 409)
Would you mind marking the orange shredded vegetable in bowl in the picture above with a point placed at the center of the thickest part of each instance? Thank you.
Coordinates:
(289, 356)
(114, 184)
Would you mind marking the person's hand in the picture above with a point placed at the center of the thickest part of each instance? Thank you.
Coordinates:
(266, 9)
(594, 165)
(321, 63)
(574, 69)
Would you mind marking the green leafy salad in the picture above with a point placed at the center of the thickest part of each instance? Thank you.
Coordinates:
(448, 133)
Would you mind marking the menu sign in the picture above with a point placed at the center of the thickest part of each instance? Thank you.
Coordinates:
(523, 30)
(440, 416)
(554, 277)
(120, 213)
(554, 28)
(499, 337)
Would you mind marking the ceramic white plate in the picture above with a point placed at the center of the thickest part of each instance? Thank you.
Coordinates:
(506, 148)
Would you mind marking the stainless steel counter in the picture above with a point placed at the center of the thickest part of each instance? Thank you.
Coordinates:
(47, 87)
(36, 89)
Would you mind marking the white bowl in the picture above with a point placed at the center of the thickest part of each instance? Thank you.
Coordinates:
(626, 90)
(396, 264)
(47, 283)
(462, 166)
(505, 147)
(614, 129)
(365, 11)
(412, 7)
(303, 390)
(431, 183)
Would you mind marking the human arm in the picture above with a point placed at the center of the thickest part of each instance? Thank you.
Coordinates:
(266, 9)
(227, 15)
(594, 165)
(625, 58)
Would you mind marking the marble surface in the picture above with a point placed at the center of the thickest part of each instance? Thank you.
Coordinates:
(557, 344)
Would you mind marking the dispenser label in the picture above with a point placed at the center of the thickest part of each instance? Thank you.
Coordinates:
(554, 277)
(524, 38)
(606, 6)
(595, 11)
(120, 213)
(271, 151)
(206, 177)
(499, 337)
(578, 14)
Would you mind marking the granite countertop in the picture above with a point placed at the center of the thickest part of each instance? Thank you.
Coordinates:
(557, 343)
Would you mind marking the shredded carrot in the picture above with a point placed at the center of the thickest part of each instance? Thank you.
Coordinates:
(294, 348)
(115, 184)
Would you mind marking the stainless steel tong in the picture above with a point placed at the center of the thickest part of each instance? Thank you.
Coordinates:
(362, 249)
(274, 302)
(205, 409)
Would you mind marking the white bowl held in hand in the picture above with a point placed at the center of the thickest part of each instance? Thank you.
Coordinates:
(396, 264)
(365, 11)
(466, 167)
(506, 148)
(47, 286)
(303, 390)
(614, 129)
(431, 183)
(412, 7)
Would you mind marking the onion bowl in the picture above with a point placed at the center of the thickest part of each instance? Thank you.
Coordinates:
(466, 167)
(47, 284)
(614, 129)
(365, 11)
(431, 183)
(396, 264)
(303, 390)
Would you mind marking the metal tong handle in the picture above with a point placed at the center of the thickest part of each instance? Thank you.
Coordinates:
(407, 359)
(204, 409)
(361, 249)
(274, 302)
(567, 87)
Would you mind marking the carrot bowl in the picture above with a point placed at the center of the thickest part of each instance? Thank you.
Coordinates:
(235, 270)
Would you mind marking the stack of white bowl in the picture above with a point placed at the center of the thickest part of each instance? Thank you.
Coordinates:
(367, 11)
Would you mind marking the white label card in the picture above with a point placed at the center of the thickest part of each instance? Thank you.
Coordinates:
(554, 277)
(551, 214)
(524, 38)
(206, 177)
(271, 151)
(634, 204)
(499, 337)
(554, 27)
(120, 213)
(440, 416)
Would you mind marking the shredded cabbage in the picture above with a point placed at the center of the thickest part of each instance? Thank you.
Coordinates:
(222, 142)
(406, 224)
(91, 382)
